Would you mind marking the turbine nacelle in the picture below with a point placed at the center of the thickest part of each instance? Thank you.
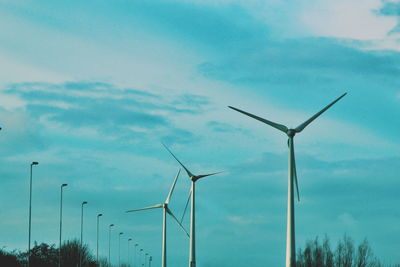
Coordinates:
(191, 176)
(291, 133)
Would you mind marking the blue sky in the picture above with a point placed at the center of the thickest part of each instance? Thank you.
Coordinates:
(91, 89)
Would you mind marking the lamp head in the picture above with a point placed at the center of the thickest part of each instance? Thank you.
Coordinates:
(130, 239)
(121, 233)
(84, 202)
(64, 185)
(100, 214)
(111, 225)
(34, 163)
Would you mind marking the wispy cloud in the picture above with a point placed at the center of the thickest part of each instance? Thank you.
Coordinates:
(391, 9)
(101, 105)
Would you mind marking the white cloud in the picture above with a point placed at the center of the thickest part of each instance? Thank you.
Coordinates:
(11, 102)
(14, 70)
(248, 220)
(353, 19)
(347, 219)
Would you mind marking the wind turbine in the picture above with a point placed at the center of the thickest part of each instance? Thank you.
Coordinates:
(193, 178)
(292, 175)
(166, 210)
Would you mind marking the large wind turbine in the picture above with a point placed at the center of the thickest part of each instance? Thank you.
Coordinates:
(166, 210)
(193, 178)
(290, 234)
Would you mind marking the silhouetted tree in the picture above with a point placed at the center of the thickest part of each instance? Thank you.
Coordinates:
(71, 251)
(8, 259)
(45, 255)
(42, 255)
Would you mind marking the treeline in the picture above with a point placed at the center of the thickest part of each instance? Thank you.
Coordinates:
(44, 255)
(345, 254)
(316, 253)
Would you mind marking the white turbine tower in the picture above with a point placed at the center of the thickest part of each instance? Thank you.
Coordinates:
(292, 176)
(193, 178)
(166, 210)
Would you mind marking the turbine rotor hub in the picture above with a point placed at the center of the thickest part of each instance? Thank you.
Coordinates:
(291, 132)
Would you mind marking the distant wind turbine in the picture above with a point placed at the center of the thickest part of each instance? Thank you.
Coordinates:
(290, 233)
(193, 178)
(166, 210)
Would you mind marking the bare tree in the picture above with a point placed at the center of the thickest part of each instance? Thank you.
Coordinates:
(344, 254)
(327, 253)
(316, 254)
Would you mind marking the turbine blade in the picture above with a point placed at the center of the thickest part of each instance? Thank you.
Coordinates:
(172, 187)
(173, 216)
(307, 122)
(205, 175)
(147, 208)
(183, 166)
(293, 159)
(187, 203)
(278, 126)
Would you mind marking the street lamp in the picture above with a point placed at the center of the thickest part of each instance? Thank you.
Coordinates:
(81, 249)
(97, 250)
(61, 205)
(129, 259)
(140, 256)
(150, 260)
(30, 213)
(119, 248)
(145, 258)
(134, 259)
(109, 243)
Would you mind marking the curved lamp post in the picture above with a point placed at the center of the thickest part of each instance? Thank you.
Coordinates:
(129, 258)
(61, 206)
(119, 248)
(134, 258)
(30, 212)
(97, 248)
(140, 257)
(81, 250)
(109, 244)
